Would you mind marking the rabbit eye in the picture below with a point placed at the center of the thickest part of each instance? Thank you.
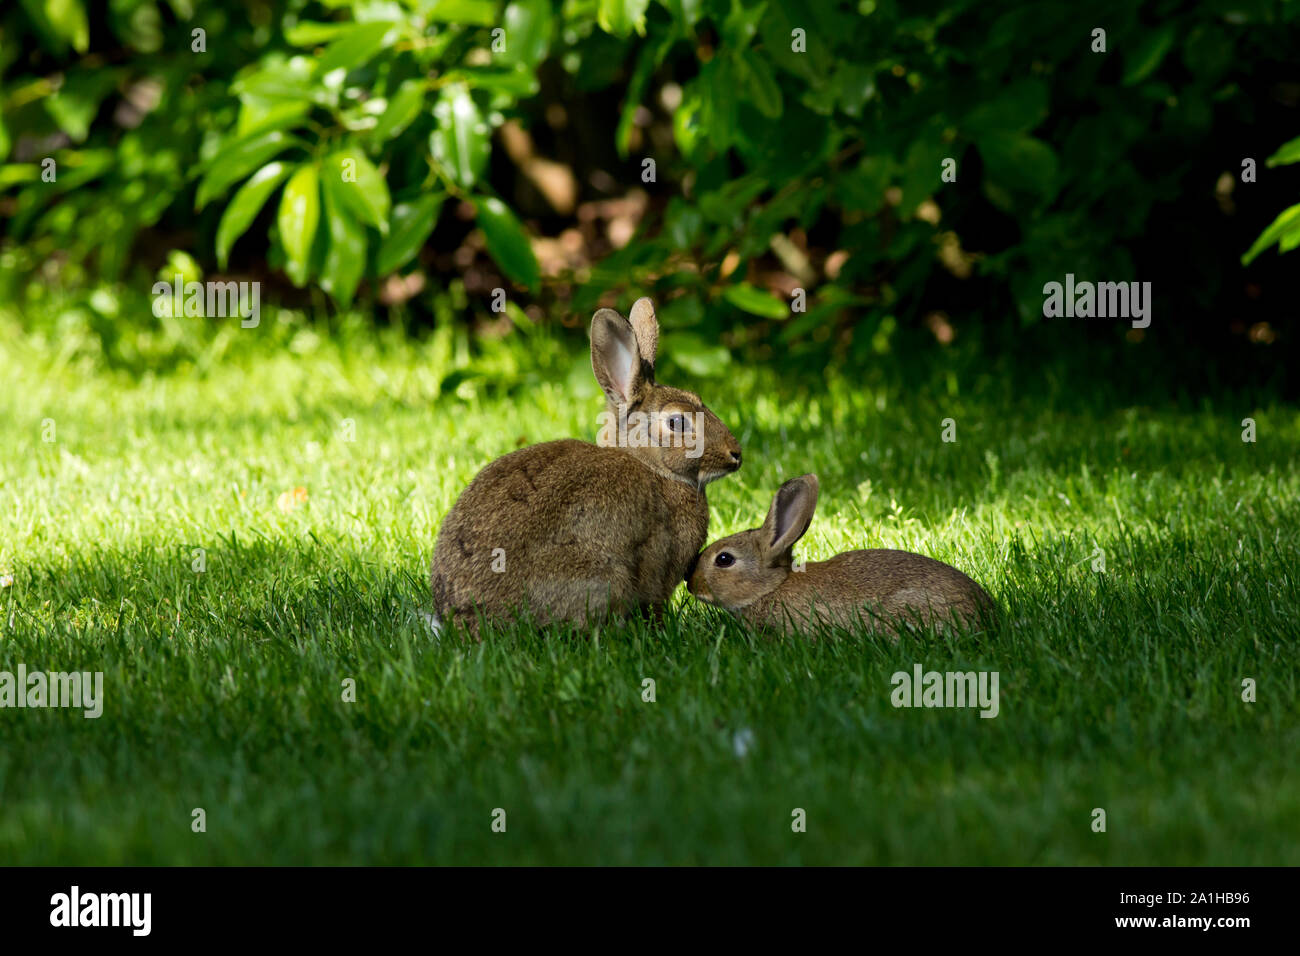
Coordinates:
(724, 559)
(676, 423)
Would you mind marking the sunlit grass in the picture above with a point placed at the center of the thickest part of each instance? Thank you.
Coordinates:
(1119, 689)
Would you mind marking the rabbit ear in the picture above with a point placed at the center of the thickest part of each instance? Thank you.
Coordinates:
(790, 515)
(646, 327)
(616, 358)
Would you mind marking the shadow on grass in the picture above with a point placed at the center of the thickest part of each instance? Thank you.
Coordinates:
(1223, 577)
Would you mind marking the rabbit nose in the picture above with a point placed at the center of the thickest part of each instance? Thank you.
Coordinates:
(735, 456)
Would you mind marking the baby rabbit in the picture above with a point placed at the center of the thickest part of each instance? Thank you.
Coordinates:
(572, 531)
(751, 574)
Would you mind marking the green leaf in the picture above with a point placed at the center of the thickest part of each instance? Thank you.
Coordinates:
(481, 13)
(240, 158)
(1016, 109)
(345, 255)
(5, 142)
(411, 225)
(363, 190)
(77, 102)
(312, 33)
(717, 83)
(1287, 154)
(180, 263)
(76, 168)
(775, 30)
(688, 123)
(1287, 221)
(519, 318)
(1018, 169)
(725, 205)
(528, 26)
(298, 218)
(460, 142)
(283, 79)
(248, 202)
(14, 173)
(922, 169)
(621, 17)
(756, 302)
(740, 25)
(507, 243)
(357, 47)
(761, 83)
(1147, 55)
(687, 12)
(516, 82)
(258, 113)
(857, 85)
(632, 102)
(403, 107)
(68, 20)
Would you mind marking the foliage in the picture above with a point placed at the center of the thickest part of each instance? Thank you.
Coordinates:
(796, 146)
(1285, 229)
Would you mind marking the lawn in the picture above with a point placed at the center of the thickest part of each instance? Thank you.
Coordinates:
(313, 478)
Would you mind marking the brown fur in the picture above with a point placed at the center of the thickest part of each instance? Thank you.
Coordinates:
(587, 530)
(854, 587)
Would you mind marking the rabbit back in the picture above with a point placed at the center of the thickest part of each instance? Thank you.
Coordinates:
(566, 530)
(881, 584)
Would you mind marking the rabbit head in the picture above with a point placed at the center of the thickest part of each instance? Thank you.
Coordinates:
(738, 570)
(668, 429)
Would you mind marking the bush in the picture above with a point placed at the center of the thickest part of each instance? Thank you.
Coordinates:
(906, 166)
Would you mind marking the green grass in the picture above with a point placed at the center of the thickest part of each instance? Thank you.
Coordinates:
(1119, 690)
